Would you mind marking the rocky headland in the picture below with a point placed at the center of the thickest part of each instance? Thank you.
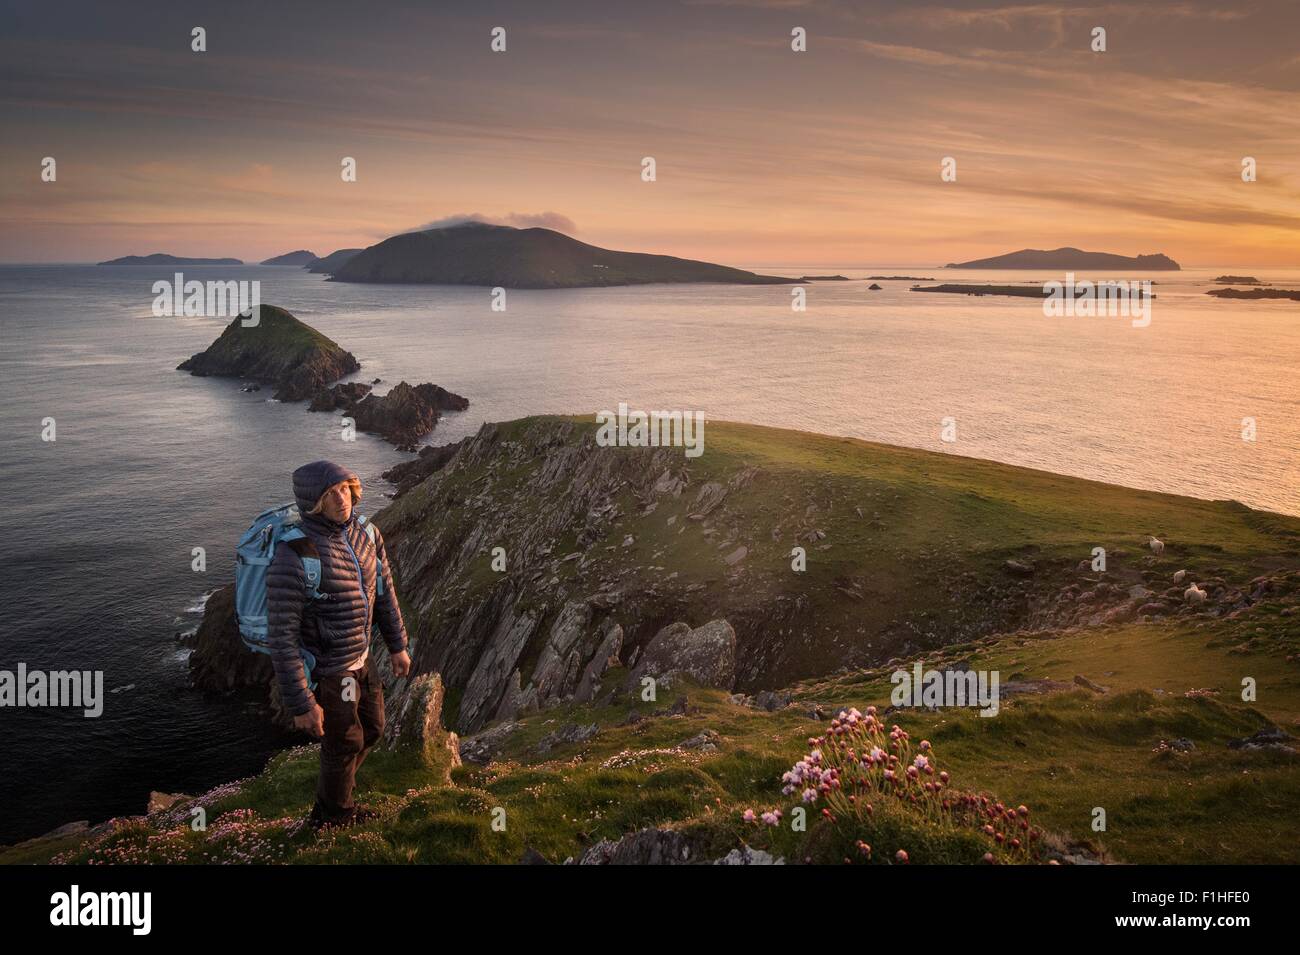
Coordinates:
(761, 589)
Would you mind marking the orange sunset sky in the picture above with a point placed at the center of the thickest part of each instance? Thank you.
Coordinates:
(764, 155)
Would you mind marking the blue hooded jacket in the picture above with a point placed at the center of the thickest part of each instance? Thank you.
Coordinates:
(336, 628)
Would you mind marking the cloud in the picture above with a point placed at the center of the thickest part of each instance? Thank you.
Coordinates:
(520, 220)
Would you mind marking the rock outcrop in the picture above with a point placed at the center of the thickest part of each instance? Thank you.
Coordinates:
(220, 663)
(403, 416)
(414, 722)
(705, 655)
(278, 350)
(431, 460)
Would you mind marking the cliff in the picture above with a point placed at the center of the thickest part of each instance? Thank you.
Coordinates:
(622, 564)
(478, 254)
(279, 350)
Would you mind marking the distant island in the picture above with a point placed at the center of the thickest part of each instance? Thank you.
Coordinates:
(476, 253)
(161, 258)
(328, 264)
(1255, 293)
(898, 278)
(300, 258)
(1019, 291)
(824, 278)
(1071, 259)
(1239, 280)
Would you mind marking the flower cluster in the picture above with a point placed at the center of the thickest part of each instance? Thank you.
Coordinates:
(860, 760)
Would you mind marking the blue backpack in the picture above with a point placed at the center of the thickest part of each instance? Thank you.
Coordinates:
(253, 557)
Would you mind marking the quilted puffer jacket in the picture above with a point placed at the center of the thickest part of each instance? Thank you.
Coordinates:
(335, 628)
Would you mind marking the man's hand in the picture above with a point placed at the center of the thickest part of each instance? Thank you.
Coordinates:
(401, 664)
(313, 721)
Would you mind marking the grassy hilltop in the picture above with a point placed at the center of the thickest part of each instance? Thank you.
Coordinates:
(911, 555)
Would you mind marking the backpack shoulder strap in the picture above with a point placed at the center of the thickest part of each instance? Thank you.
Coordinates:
(306, 550)
(379, 564)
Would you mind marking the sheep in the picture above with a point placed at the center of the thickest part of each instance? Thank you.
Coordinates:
(1157, 547)
(1194, 594)
(1178, 577)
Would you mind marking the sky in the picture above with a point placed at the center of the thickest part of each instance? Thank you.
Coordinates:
(763, 155)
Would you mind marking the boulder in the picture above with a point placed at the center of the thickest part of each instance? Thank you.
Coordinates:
(706, 655)
(572, 733)
(415, 725)
(482, 747)
(1019, 568)
(646, 847)
(342, 395)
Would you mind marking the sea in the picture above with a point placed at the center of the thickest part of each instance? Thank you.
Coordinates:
(148, 463)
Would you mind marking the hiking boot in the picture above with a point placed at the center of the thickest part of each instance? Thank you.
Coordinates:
(319, 820)
(358, 815)
(362, 815)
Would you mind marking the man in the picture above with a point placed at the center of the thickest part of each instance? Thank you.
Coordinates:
(347, 711)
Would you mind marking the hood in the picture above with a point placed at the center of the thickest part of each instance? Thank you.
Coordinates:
(312, 480)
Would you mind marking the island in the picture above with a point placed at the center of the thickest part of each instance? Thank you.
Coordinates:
(331, 263)
(1256, 293)
(300, 258)
(1071, 259)
(161, 258)
(279, 350)
(1019, 291)
(898, 278)
(475, 253)
(403, 416)
(1239, 280)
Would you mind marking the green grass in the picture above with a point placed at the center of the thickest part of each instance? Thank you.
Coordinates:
(942, 518)
(1062, 754)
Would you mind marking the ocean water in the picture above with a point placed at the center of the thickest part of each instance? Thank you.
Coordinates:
(150, 463)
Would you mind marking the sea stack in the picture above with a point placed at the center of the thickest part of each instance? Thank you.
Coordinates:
(279, 350)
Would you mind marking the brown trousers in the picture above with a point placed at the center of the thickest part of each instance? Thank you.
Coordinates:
(353, 702)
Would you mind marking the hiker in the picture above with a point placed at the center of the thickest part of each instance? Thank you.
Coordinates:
(355, 592)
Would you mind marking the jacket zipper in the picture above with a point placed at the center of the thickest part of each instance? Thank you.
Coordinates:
(361, 580)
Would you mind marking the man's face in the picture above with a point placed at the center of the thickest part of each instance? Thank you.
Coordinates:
(337, 504)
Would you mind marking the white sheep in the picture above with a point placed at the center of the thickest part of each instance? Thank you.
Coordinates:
(1157, 547)
(1178, 577)
(1194, 594)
